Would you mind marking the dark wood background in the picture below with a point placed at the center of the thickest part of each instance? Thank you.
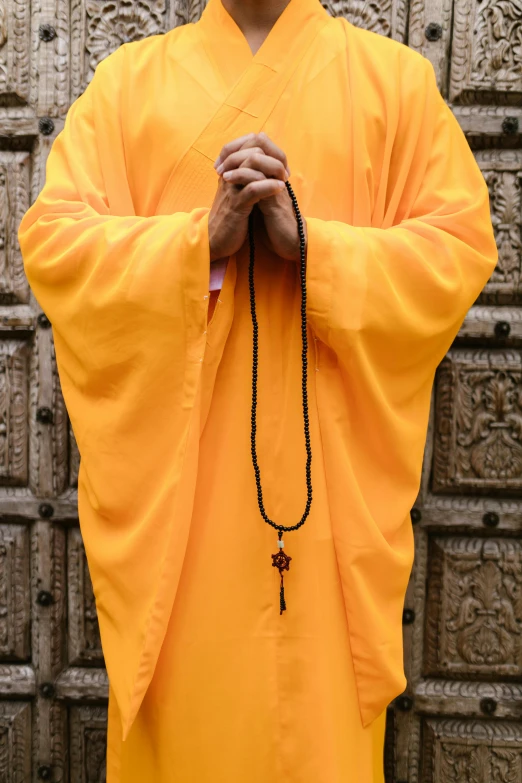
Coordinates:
(460, 719)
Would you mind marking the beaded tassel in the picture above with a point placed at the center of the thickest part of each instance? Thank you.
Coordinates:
(282, 602)
(281, 561)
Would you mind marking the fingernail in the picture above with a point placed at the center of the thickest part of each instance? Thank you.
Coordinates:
(227, 175)
(220, 169)
(216, 164)
(287, 173)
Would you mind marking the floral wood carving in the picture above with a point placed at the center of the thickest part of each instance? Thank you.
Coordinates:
(95, 751)
(188, 11)
(14, 593)
(88, 744)
(13, 407)
(116, 22)
(490, 424)
(497, 53)
(486, 52)
(3, 23)
(15, 37)
(83, 629)
(472, 751)
(474, 608)
(370, 16)
(478, 427)
(15, 741)
(502, 170)
(14, 200)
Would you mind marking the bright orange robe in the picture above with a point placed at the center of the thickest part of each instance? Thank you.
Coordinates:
(208, 681)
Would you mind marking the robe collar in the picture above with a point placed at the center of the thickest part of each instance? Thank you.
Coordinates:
(229, 50)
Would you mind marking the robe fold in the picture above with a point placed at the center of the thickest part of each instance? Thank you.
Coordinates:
(208, 682)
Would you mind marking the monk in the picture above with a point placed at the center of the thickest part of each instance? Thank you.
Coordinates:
(181, 143)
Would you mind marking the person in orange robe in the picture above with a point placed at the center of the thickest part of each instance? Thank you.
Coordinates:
(209, 681)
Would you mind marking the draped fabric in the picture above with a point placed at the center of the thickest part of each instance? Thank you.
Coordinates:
(208, 681)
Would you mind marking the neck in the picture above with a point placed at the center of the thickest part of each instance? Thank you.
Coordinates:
(255, 18)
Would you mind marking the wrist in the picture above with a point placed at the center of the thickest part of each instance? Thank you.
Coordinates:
(214, 247)
(297, 256)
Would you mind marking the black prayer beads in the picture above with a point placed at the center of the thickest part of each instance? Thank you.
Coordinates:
(281, 560)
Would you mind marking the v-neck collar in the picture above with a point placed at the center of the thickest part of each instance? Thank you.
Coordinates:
(229, 49)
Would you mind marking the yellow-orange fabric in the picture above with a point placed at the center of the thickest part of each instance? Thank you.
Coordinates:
(208, 682)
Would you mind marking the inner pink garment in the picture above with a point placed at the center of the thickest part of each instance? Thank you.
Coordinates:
(217, 274)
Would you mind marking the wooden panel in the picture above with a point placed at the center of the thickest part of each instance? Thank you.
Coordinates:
(98, 28)
(74, 460)
(478, 421)
(83, 631)
(502, 171)
(14, 201)
(48, 589)
(478, 752)
(385, 18)
(485, 56)
(15, 48)
(13, 412)
(88, 741)
(459, 718)
(187, 11)
(473, 608)
(429, 32)
(15, 742)
(15, 610)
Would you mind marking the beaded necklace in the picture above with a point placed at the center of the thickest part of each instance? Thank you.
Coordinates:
(281, 560)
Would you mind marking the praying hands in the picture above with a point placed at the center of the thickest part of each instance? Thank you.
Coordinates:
(252, 172)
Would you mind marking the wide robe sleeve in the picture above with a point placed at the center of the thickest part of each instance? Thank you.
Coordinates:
(398, 293)
(127, 297)
(385, 303)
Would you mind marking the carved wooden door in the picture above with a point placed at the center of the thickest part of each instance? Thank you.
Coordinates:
(459, 719)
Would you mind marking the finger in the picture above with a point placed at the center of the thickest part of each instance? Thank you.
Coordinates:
(256, 191)
(261, 140)
(270, 167)
(235, 159)
(269, 148)
(243, 176)
(232, 146)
